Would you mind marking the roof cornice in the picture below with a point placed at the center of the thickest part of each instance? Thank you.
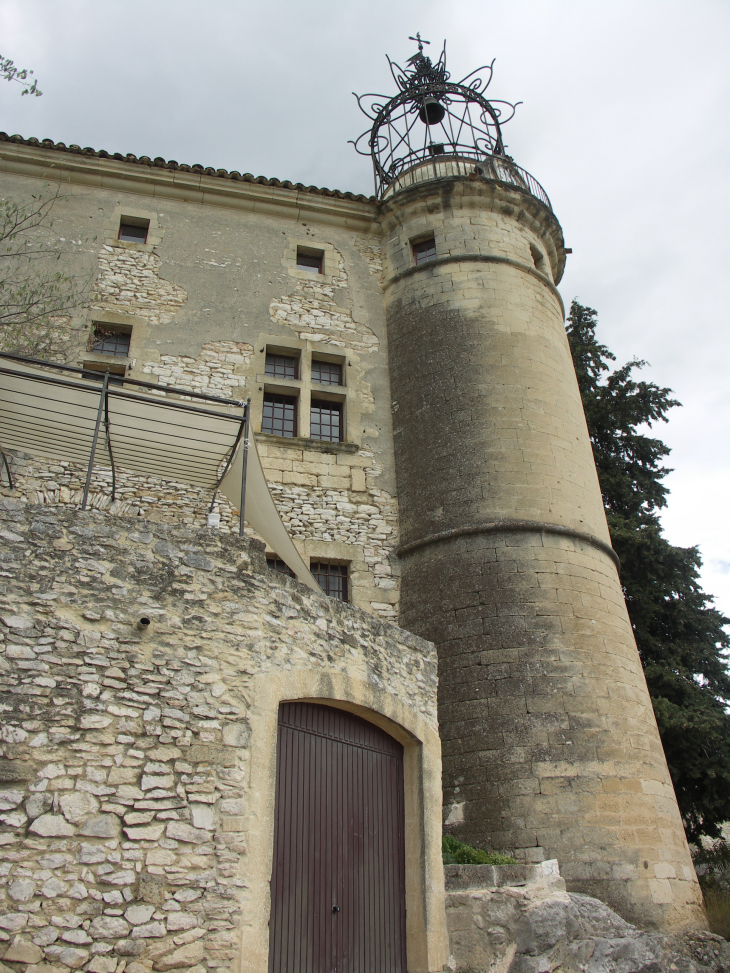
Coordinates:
(54, 161)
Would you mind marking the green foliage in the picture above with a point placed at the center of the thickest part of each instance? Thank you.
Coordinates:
(712, 863)
(455, 852)
(680, 635)
(23, 76)
(35, 296)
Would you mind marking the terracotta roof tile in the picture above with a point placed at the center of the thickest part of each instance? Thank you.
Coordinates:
(144, 160)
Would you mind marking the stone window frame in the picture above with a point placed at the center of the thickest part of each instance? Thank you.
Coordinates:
(330, 260)
(303, 388)
(338, 563)
(426, 934)
(155, 232)
(136, 327)
(419, 241)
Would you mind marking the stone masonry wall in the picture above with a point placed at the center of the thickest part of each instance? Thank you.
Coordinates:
(550, 745)
(357, 514)
(129, 281)
(125, 754)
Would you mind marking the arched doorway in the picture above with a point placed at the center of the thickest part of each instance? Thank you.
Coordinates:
(338, 877)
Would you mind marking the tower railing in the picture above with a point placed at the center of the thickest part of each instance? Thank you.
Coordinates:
(442, 166)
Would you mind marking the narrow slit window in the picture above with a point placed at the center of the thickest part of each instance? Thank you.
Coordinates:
(310, 260)
(424, 250)
(133, 231)
(325, 421)
(282, 366)
(332, 579)
(280, 415)
(111, 341)
(326, 372)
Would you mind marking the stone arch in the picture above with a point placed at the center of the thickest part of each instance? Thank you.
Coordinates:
(426, 936)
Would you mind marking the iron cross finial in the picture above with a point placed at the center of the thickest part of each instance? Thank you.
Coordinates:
(418, 41)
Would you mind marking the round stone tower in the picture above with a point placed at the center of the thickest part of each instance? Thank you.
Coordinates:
(550, 747)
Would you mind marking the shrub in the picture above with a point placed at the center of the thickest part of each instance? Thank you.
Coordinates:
(455, 852)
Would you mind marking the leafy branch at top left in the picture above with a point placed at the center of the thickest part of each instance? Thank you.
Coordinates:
(23, 76)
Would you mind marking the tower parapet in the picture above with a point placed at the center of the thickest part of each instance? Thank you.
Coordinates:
(550, 746)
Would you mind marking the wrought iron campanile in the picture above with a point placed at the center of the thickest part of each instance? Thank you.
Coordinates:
(550, 747)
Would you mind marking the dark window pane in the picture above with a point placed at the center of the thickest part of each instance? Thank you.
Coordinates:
(326, 373)
(282, 366)
(130, 233)
(280, 415)
(276, 564)
(305, 261)
(325, 421)
(332, 579)
(423, 251)
(109, 342)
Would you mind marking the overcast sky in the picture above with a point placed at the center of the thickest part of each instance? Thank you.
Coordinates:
(624, 121)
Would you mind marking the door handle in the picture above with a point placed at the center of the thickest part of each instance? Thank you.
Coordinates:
(335, 908)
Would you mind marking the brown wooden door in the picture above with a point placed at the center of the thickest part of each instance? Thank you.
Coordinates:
(338, 879)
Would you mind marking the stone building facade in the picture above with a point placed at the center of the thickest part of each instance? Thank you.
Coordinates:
(460, 498)
(138, 766)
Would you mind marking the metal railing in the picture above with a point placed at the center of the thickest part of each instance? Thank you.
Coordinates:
(32, 418)
(498, 168)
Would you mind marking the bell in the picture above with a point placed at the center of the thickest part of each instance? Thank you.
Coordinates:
(431, 111)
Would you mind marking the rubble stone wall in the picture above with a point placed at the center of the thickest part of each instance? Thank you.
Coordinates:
(135, 821)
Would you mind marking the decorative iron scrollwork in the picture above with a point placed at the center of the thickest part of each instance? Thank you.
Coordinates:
(433, 118)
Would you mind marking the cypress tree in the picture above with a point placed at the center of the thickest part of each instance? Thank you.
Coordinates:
(680, 635)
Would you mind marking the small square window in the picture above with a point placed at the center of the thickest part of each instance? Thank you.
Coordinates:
(133, 230)
(310, 260)
(424, 250)
(325, 421)
(332, 579)
(109, 340)
(280, 415)
(275, 563)
(326, 372)
(281, 366)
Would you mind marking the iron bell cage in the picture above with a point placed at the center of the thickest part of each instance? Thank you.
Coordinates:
(435, 127)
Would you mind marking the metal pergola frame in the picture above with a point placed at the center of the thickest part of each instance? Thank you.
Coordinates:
(162, 401)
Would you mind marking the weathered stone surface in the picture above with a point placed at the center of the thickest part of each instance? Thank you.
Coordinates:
(102, 826)
(52, 826)
(10, 799)
(185, 956)
(109, 927)
(13, 921)
(181, 920)
(38, 804)
(76, 936)
(22, 951)
(77, 806)
(180, 831)
(150, 930)
(137, 915)
(102, 964)
(537, 927)
(21, 890)
(152, 833)
(68, 956)
(130, 947)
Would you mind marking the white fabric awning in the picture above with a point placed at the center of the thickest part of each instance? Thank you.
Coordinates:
(53, 414)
